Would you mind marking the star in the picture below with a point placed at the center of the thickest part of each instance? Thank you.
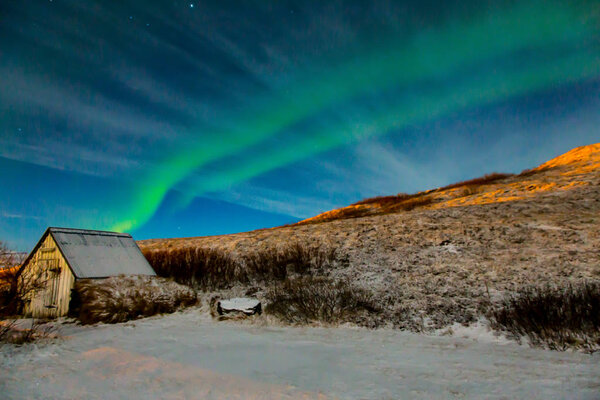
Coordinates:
(191, 5)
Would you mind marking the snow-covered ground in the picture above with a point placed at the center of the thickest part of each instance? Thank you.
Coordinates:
(187, 355)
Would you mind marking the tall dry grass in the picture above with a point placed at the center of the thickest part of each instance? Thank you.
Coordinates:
(122, 298)
(208, 269)
(294, 258)
(307, 299)
(387, 200)
(196, 266)
(482, 180)
(407, 202)
(410, 204)
(554, 317)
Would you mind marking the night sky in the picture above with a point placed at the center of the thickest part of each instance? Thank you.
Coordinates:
(174, 118)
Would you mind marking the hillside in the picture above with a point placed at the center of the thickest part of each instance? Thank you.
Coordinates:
(564, 172)
(436, 257)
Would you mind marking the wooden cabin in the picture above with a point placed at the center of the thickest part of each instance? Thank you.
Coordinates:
(64, 255)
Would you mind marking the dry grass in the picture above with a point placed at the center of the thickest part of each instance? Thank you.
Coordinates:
(197, 267)
(482, 180)
(410, 204)
(403, 202)
(387, 200)
(10, 332)
(308, 299)
(208, 269)
(295, 258)
(529, 172)
(373, 206)
(470, 190)
(122, 298)
(554, 317)
(444, 263)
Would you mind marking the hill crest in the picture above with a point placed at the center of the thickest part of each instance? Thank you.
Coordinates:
(563, 172)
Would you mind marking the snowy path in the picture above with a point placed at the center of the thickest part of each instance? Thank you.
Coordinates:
(186, 355)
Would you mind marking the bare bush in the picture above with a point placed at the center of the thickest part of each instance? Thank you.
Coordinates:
(8, 257)
(122, 298)
(16, 285)
(553, 317)
(11, 331)
(9, 272)
(307, 299)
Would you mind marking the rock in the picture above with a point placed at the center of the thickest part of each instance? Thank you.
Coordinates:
(245, 305)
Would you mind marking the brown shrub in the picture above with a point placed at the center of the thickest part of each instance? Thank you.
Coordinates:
(294, 258)
(210, 269)
(533, 171)
(387, 200)
(482, 180)
(122, 298)
(196, 266)
(408, 202)
(306, 299)
(555, 317)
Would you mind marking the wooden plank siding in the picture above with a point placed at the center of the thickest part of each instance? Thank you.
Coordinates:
(48, 266)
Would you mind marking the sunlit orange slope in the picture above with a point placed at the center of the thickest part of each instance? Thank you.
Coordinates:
(580, 160)
(576, 168)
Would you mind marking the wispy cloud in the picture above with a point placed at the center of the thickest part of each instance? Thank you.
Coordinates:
(225, 100)
(18, 216)
(275, 201)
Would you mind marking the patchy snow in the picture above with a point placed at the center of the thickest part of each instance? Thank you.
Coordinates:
(243, 304)
(478, 331)
(187, 355)
(450, 248)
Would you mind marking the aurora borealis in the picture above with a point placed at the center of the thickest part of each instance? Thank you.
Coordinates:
(144, 117)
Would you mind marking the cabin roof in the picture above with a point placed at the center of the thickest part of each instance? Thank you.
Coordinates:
(97, 254)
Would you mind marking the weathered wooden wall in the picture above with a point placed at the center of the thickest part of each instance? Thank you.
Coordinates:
(48, 266)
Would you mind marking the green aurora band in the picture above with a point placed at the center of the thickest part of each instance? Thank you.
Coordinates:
(459, 65)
